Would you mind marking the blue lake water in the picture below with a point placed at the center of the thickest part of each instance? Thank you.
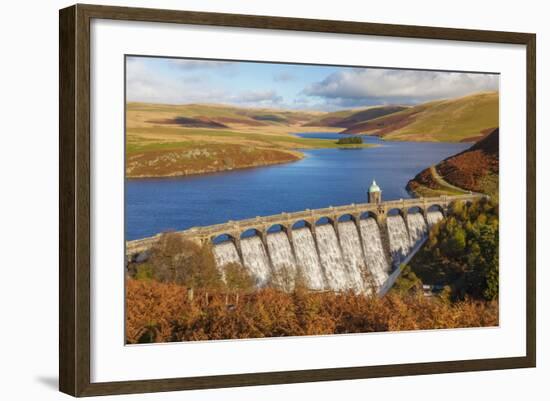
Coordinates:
(325, 177)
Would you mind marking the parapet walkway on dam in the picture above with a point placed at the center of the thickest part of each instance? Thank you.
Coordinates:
(233, 230)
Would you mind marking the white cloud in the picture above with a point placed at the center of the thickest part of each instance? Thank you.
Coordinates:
(283, 77)
(180, 81)
(262, 97)
(377, 86)
(145, 84)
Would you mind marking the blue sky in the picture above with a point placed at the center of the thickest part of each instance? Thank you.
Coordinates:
(290, 86)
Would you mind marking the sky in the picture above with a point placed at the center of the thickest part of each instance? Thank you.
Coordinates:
(291, 86)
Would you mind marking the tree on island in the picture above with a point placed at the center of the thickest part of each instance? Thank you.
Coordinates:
(350, 140)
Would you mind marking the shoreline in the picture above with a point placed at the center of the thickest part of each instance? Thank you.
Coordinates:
(297, 153)
(299, 156)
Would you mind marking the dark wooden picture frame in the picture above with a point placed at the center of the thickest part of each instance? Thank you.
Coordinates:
(74, 203)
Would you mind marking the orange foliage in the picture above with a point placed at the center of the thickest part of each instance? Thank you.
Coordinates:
(468, 169)
(160, 312)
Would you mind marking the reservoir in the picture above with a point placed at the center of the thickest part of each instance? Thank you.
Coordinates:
(325, 177)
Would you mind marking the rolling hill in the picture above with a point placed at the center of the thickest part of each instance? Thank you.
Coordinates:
(476, 169)
(214, 116)
(464, 119)
(178, 140)
(350, 118)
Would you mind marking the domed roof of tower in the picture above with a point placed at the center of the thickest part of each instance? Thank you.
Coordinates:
(374, 187)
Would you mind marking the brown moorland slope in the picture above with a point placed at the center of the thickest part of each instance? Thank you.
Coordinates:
(476, 169)
(202, 159)
(350, 118)
(164, 312)
(190, 122)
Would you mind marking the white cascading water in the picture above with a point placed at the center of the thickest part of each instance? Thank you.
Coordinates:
(331, 258)
(226, 253)
(417, 227)
(375, 257)
(282, 258)
(255, 259)
(434, 217)
(308, 259)
(400, 244)
(353, 255)
(355, 259)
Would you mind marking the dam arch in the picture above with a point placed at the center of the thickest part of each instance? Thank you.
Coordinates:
(347, 217)
(378, 216)
(369, 213)
(275, 228)
(224, 237)
(325, 220)
(397, 211)
(416, 209)
(302, 223)
(435, 207)
(251, 232)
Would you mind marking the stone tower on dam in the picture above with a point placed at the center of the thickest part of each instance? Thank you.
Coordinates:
(375, 193)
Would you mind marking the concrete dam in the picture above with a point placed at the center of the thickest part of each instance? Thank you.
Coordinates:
(356, 247)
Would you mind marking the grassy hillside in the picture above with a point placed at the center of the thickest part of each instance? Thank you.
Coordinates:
(468, 118)
(177, 140)
(476, 169)
(330, 119)
(350, 118)
(217, 115)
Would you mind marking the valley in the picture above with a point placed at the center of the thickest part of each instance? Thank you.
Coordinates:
(165, 140)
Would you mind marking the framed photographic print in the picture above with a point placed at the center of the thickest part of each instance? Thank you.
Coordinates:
(250, 200)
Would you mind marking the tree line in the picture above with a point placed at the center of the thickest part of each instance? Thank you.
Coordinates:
(350, 140)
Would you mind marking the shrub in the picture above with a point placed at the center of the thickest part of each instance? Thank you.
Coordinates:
(144, 271)
(163, 312)
(237, 278)
(175, 260)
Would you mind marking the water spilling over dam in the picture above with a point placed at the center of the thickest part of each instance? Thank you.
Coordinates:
(350, 257)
